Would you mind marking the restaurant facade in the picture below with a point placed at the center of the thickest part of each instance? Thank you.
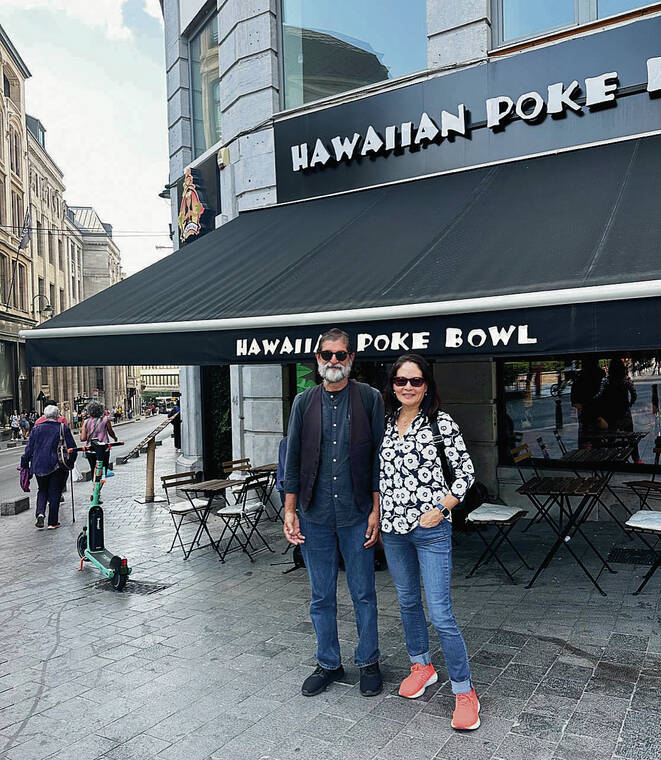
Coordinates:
(479, 183)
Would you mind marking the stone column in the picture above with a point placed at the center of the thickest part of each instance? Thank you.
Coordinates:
(191, 420)
(459, 31)
(468, 393)
(257, 419)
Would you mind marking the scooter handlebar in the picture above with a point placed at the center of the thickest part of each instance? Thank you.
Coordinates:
(89, 448)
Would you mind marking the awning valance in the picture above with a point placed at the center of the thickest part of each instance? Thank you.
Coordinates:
(563, 248)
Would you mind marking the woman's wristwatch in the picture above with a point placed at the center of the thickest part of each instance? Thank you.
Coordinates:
(444, 511)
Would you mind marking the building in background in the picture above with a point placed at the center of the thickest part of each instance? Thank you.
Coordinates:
(101, 268)
(51, 246)
(15, 268)
(162, 380)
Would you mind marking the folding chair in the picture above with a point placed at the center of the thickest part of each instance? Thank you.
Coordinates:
(179, 509)
(521, 454)
(503, 518)
(236, 469)
(249, 508)
(646, 521)
(646, 489)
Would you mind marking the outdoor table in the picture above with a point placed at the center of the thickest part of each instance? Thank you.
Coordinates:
(211, 489)
(598, 460)
(544, 492)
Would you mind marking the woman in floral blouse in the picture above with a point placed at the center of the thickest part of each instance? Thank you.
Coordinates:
(416, 517)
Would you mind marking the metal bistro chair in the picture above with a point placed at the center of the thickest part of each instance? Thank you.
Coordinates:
(236, 469)
(646, 521)
(248, 510)
(503, 518)
(521, 454)
(647, 489)
(179, 509)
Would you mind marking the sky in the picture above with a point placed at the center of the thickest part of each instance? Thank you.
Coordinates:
(98, 87)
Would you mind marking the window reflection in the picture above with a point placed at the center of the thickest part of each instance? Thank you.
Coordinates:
(557, 405)
(205, 86)
(331, 46)
(611, 7)
(523, 18)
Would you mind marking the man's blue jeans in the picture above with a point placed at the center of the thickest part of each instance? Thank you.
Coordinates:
(322, 561)
(428, 551)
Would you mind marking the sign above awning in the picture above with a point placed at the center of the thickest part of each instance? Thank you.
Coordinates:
(554, 254)
(581, 92)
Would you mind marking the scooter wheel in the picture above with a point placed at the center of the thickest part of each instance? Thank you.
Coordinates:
(81, 545)
(118, 581)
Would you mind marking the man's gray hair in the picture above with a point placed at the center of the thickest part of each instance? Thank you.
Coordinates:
(51, 412)
(336, 334)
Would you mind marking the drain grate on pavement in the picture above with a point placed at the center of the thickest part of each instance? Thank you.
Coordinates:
(143, 588)
(627, 555)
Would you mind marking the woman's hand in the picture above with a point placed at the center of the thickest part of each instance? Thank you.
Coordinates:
(431, 518)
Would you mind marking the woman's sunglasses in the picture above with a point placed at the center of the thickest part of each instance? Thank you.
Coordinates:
(328, 355)
(416, 382)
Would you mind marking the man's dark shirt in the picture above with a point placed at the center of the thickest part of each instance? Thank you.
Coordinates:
(333, 502)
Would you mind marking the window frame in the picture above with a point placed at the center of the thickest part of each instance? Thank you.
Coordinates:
(189, 39)
(585, 12)
(279, 17)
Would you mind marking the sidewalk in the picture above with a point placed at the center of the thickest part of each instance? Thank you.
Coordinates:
(210, 665)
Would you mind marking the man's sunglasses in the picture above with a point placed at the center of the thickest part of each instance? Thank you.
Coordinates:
(416, 382)
(339, 355)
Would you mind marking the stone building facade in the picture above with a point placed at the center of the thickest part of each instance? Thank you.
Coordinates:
(223, 113)
(15, 269)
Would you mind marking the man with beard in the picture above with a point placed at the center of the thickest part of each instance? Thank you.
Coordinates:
(332, 501)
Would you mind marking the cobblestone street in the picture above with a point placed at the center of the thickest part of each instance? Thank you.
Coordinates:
(210, 666)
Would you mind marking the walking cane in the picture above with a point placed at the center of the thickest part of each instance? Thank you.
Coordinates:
(73, 509)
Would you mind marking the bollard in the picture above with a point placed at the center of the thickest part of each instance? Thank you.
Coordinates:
(151, 461)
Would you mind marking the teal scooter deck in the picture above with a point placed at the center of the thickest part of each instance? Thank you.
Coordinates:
(91, 542)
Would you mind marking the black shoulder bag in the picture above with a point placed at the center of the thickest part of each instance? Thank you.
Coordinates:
(476, 495)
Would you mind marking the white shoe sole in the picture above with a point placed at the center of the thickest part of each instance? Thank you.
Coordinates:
(431, 681)
(474, 726)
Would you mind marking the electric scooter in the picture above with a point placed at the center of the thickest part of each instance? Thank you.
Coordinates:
(90, 542)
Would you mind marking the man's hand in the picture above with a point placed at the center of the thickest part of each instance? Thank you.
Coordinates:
(372, 532)
(292, 528)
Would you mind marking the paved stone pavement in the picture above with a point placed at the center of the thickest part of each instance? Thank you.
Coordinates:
(211, 665)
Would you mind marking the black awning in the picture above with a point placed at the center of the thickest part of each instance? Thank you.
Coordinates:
(393, 259)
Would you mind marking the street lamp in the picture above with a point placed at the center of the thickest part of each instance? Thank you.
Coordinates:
(47, 310)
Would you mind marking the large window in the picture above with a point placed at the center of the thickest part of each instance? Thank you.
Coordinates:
(205, 86)
(561, 404)
(518, 19)
(331, 46)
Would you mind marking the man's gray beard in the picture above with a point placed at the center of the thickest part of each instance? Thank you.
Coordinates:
(334, 374)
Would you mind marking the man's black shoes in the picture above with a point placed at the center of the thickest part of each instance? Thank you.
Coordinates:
(320, 680)
(371, 682)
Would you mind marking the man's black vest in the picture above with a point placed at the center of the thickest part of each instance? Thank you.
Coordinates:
(361, 447)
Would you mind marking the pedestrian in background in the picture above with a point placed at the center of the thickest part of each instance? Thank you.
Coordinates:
(175, 415)
(332, 478)
(97, 426)
(416, 526)
(15, 425)
(41, 458)
(25, 426)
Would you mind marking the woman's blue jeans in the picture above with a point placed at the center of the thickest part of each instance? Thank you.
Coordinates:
(428, 551)
(321, 557)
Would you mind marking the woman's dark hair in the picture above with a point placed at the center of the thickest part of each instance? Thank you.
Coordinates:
(616, 370)
(431, 403)
(95, 409)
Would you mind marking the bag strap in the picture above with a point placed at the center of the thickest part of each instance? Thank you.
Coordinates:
(440, 448)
